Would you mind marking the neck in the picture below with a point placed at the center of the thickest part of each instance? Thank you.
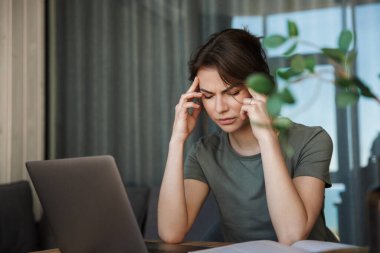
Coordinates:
(244, 142)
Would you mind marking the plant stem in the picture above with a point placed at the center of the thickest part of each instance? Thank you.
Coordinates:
(310, 44)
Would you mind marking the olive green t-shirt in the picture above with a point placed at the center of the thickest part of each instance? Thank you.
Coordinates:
(238, 181)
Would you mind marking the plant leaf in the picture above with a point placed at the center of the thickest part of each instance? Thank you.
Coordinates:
(274, 104)
(364, 89)
(274, 41)
(345, 98)
(287, 74)
(292, 29)
(260, 83)
(345, 39)
(345, 83)
(298, 63)
(287, 96)
(282, 123)
(334, 54)
(291, 49)
(310, 64)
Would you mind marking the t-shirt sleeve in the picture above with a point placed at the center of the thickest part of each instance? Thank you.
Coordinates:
(193, 169)
(315, 156)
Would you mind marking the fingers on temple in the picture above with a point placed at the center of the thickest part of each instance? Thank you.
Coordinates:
(194, 85)
(257, 96)
(188, 105)
(186, 97)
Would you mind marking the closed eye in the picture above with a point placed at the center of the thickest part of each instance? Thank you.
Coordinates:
(207, 96)
(234, 92)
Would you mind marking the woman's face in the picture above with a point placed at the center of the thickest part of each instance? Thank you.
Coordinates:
(221, 101)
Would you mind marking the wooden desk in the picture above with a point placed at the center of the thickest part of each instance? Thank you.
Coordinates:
(218, 244)
(48, 251)
(203, 244)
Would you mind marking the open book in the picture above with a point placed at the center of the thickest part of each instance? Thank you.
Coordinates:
(266, 246)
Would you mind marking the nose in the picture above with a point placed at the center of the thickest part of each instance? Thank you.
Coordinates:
(220, 104)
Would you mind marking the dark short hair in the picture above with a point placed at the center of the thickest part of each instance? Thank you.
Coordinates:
(235, 53)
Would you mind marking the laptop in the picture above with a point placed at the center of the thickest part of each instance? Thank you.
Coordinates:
(87, 207)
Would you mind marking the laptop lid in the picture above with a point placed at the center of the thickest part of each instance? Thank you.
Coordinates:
(86, 205)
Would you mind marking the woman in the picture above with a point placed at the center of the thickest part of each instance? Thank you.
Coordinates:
(261, 194)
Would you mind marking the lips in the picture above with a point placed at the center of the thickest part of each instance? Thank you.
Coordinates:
(226, 121)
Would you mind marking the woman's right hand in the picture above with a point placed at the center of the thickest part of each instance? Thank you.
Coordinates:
(184, 121)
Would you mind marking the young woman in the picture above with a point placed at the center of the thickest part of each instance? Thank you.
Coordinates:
(261, 193)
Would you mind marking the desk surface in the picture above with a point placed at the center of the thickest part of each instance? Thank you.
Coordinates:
(203, 244)
(218, 244)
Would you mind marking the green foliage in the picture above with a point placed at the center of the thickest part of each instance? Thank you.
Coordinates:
(346, 98)
(310, 64)
(364, 89)
(282, 123)
(287, 96)
(334, 54)
(292, 29)
(345, 39)
(350, 87)
(298, 64)
(291, 49)
(274, 41)
(351, 57)
(288, 74)
(260, 83)
(274, 104)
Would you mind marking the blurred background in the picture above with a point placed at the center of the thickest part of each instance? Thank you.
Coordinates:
(90, 77)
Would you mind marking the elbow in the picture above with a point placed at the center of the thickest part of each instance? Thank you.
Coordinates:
(288, 240)
(171, 232)
(292, 236)
(171, 237)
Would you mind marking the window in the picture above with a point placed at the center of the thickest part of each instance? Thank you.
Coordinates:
(316, 104)
(254, 24)
(368, 69)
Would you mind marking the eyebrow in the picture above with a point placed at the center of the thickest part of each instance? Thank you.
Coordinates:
(223, 91)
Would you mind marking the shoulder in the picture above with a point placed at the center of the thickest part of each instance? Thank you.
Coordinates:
(311, 152)
(301, 135)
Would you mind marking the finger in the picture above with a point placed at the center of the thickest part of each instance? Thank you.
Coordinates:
(196, 112)
(189, 105)
(188, 96)
(249, 101)
(194, 85)
(244, 112)
(252, 101)
(257, 96)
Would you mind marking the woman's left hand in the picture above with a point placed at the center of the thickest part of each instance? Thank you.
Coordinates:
(255, 108)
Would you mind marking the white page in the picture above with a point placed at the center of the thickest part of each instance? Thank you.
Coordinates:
(262, 246)
(318, 246)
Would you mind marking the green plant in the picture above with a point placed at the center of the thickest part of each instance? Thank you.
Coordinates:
(350, 86)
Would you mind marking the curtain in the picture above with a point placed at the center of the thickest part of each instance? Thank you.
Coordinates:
(120, 67)
(22, 86)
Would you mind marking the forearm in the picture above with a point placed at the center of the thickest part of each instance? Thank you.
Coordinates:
(287, 211)
(172, 211)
